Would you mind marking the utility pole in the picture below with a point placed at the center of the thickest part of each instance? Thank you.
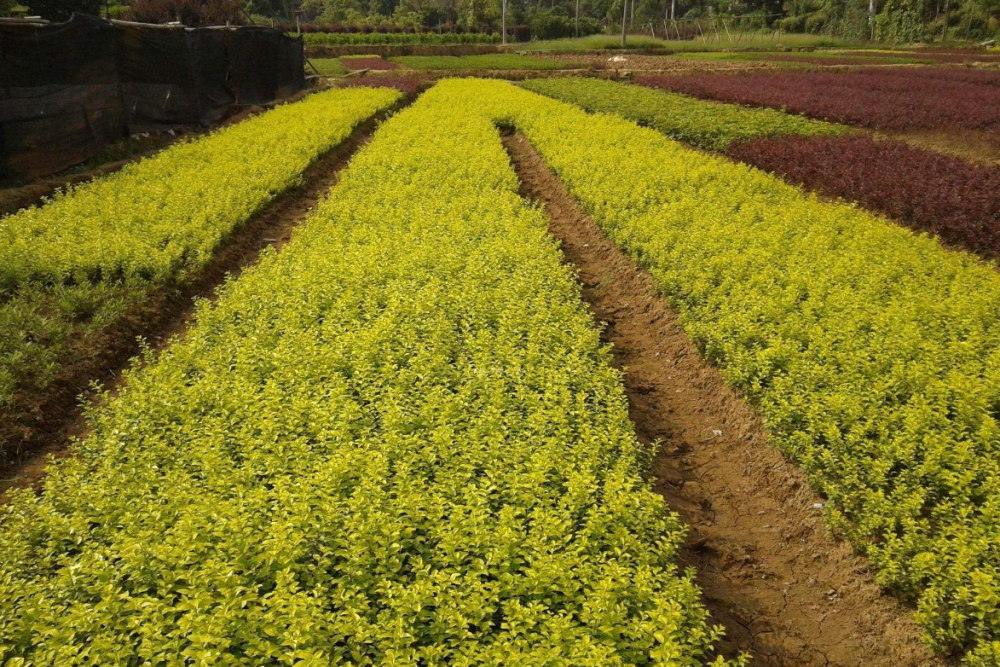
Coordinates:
(871, 17)
(504, 21)
(947, 13)
(624, 19)
(576, 29)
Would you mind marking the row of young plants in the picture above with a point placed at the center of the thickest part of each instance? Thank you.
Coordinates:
(76, 265)
(872, 353)
(493, 61)
(899, 98)
(952, 198)
(400, 441)
(378, 38)
(711, 125)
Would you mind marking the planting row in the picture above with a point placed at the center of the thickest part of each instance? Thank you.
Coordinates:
(399, 441)
(895, 99)
(957, 200)
(74, 265)
(873, 354)
(705, 124)
(495, 61)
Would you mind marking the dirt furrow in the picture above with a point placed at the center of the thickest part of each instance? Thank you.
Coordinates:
(44, 424)
(785, 590)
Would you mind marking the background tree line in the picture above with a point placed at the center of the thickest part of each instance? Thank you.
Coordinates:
(896, 21)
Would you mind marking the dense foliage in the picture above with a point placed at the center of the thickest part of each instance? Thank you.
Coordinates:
(706, 124)
(397, 442)
(72, 266)
(339, 38)
(193, 13)
(370, 28)
(496, 61)
(873, 353)
(947, 196)
(897, 98)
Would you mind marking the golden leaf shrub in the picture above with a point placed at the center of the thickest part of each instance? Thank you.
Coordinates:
(397, 442)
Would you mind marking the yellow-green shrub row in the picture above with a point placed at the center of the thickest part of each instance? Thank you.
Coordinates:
(76, 265)
(874, 353)
(711, 125)
(398, 442)
(163, 214)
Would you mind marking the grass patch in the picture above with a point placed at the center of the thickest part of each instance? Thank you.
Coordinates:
(329, 66)
(711, 125)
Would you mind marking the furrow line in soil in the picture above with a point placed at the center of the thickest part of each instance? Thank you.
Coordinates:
(785, 590)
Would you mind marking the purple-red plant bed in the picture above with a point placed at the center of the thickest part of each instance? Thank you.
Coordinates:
(368, 63)
(899, 98)
(408, 85)
(820, 60)
(957, 200)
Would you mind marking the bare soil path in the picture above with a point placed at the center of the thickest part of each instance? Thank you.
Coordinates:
(785, 590)
(44, 425)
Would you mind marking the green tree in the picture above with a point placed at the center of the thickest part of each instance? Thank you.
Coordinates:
(900, 22)
(60, 10)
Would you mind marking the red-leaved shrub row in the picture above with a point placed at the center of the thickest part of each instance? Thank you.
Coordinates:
(957, 200)
(956, 56)
(945, 55)
(408, 85)
(979, 77)
(820, 60)
(886, 98)
(368, 63)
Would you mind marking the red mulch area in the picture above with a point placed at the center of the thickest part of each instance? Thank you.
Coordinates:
(902, 98)
(368, 63)
(957, 200)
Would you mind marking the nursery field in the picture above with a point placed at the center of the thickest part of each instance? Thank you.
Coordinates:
(566, 372)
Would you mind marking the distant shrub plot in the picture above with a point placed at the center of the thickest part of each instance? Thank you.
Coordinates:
(891, 99)
(957, 200)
